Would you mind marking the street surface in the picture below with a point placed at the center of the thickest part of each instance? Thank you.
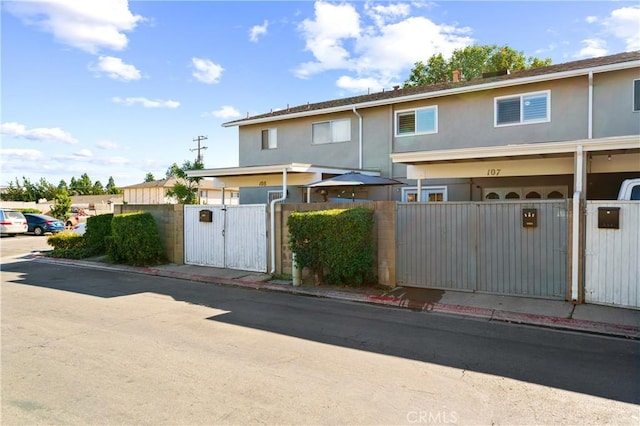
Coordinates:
(84, 346)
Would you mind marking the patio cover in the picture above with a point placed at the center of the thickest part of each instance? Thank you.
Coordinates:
(353, 179)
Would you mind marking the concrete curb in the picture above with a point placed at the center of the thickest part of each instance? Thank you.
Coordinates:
(586, 326)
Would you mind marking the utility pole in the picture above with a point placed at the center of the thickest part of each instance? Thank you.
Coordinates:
(199, 148)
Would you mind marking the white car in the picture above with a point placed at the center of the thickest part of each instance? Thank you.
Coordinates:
(80, 228)
(12, 222)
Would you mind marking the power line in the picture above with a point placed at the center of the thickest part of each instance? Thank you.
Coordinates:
(199, 148)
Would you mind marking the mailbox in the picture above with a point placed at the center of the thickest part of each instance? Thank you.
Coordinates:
(529, 218)
(206, 216)
(609, 217)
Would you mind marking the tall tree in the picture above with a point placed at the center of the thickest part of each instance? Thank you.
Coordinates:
(472, 61)
(149, 177)
(61, 208)
(111, 186)
(186, 188)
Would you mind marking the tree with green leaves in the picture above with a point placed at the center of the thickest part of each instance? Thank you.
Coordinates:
(61, 207)
(149, 177)
(186, 188)
(472, 61)
(111, 187)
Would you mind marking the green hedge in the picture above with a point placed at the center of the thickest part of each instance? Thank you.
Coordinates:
(134, 240)
(339, 242)
(98, 230)
(68, 245)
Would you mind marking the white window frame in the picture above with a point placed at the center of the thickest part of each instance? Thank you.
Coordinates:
(272, 138)
(635, 100)
(433, 108)
(521, 97)
(273, 195)
(426, 191)
(333, 134)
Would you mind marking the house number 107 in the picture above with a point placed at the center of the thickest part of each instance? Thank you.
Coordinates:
(493, 172)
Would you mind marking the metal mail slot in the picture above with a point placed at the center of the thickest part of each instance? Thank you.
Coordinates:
(206, 216)
(609, 217)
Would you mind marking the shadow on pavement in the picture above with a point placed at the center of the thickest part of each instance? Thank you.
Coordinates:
(588, 364)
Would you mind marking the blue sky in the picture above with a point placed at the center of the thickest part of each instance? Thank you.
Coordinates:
(121, 88)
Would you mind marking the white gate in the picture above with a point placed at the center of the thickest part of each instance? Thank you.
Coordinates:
(235, 237)
(612, 265)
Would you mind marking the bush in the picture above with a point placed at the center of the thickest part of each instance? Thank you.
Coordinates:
(98, 230)
(339, 241)
(66, 240)
(134, 240)
(29, 210)
(68, 245)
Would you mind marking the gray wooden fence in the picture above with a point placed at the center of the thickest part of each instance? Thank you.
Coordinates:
(484, 247)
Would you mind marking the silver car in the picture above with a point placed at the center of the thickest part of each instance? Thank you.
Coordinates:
(12, 222)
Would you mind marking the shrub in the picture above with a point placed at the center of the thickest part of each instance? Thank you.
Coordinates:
(98, 229)
(29, 210)
(68, 245)
(134, 240)
(66, 240)
(339, 241)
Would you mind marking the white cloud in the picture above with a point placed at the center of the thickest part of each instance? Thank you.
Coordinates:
(382, 14)
(21, 154)
(257, 31)
(624, 23)
(206, 70)
(359, 84)
(108, 145)
(116, 69)
(591, 19)
(86, 25)
(592, 48)
(147, 103)
(226, 111)
(41, 134)
(325, 37)
(378, 50)
(84, 153)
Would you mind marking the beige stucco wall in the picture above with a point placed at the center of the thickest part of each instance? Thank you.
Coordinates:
(170, 221)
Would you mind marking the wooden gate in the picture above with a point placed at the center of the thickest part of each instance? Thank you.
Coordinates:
(226, 236)
(484, 247)
(612, 253)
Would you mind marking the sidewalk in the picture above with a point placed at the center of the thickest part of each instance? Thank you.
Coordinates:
(558, 314)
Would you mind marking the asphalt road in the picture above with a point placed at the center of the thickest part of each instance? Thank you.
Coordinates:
(82, 346)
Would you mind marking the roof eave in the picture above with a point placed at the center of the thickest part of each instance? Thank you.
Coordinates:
(440, 93)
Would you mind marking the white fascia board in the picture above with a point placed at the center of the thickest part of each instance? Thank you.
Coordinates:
(543, 148)
(275, 169)
(447, 92)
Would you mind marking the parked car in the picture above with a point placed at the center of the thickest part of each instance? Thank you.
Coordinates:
(40, 224)
(12, 222)
(80, 228)
(78, 215)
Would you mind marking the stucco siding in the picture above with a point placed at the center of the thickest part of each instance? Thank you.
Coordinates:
(613, 104)
(467, 120)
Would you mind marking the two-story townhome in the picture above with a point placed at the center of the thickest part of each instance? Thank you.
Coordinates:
(527, 157)
(541, 133)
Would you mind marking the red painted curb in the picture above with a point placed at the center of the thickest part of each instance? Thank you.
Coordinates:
(490, 314)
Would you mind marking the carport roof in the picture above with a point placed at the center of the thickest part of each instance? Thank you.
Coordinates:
(518, 150)
(275, 169)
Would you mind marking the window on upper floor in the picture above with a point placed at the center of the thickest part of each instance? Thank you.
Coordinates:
(331, 131)
(636, 95)
(417, 122)
(270, 138)
(523, 109)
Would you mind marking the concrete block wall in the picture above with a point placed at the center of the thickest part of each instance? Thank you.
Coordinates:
(170, 221)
